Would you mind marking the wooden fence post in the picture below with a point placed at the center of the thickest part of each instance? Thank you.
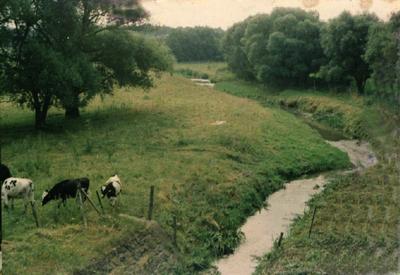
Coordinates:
(312, 222)
(151, 203)
(81, 204)
(90, 201)
(101, 204)
(35, 214)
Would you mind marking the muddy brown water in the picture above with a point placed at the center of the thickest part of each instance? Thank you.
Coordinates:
(262, 229)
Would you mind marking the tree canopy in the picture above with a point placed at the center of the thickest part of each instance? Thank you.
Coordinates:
(276, 48)
(234, 52)
(293, 47)
(344, 40)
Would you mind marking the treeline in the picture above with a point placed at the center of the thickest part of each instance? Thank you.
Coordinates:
(189, 44)
(196, 44)
(62, 53)
(293, 47)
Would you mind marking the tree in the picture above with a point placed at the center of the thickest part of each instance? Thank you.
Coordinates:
(235, 55)
(344, 41)
(278, 48)
(382, 55)
(55, 53)
(84, 25)
(284, 47)
(196, 44)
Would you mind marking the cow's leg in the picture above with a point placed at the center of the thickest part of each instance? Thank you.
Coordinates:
(112, 201)
(26, 202)
(5, 201)
(12, 203)
(26, 206)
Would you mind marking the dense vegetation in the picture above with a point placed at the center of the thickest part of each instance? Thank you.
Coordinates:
(211, 177)
(291, 47)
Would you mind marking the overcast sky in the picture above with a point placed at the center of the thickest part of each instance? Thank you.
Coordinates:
(223, 13)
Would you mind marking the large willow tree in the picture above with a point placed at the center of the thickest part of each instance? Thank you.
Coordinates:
(278, 48)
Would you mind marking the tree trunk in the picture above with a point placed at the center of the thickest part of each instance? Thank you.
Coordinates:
(40, 119)
(72, 111)
(360, 86)
(41, 110)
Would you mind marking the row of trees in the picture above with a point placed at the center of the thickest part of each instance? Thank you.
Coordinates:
(293, 47)
(188, 44)
(196, 44)
(64, 52)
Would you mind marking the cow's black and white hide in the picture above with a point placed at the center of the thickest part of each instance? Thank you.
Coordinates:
(4, 173)
(112, 189)
(14, 188)
(64, 190)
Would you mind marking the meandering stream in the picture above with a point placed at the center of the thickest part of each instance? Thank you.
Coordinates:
(264, 227)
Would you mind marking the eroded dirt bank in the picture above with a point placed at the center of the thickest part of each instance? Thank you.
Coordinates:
(264, 227)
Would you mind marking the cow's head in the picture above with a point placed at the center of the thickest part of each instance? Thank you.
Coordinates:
(45, 197)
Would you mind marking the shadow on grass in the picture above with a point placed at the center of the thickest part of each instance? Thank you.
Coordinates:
(108, 120)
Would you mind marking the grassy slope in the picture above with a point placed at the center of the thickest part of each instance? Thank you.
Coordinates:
(342, 112)
(211, 177)
(356, 229)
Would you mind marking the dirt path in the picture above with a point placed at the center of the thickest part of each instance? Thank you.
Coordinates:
(264, 227)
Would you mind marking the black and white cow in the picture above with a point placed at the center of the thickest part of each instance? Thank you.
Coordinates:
(4, 173)
(112, 189)
(13, 188)
(64, 190)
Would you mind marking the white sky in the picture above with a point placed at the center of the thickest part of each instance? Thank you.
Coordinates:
(223, 13)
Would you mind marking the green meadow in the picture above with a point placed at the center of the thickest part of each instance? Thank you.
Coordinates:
(212, 157)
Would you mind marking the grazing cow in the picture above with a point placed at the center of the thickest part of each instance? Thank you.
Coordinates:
(112, 189)
(64, 190)
(4, 173)
(17, 188)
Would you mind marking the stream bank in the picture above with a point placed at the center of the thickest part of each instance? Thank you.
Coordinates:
(262, 229)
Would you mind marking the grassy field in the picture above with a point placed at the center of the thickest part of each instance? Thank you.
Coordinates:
(211, 177)
(215, 71)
